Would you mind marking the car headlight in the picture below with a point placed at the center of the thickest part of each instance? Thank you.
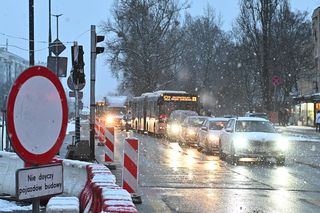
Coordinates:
(191, 132)
(240, 143)
(109, 119)
(213, 138)
(175, 128)
(282, 144)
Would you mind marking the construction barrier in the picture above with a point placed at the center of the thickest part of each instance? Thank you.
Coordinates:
(109, 145)
(101, 194)
(74, 174)
(63, 204)
(99, 130)
(130, 168)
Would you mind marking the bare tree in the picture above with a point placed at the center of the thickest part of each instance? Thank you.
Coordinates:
(145, 45)
(255, 21)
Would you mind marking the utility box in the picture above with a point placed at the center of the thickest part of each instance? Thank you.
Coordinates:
(79, 151)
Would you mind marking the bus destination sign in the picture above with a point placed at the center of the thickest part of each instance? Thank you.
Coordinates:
(180, 98)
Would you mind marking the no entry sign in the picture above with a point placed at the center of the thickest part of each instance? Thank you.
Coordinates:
(37, 115)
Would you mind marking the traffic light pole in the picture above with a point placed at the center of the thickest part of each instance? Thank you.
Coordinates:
(92, 91)
(76, 103)
(77, 120)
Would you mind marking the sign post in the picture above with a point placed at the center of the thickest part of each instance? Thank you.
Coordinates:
(37, 116)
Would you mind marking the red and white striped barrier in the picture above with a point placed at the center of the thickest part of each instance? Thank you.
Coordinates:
(130, 170)
(109, 145)
(99, 130)
(101, 194)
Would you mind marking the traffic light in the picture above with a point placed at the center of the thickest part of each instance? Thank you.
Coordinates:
(78, 75)
(99, 50)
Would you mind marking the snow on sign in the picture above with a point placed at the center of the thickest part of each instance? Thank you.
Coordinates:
(39, 181)
(37, 115)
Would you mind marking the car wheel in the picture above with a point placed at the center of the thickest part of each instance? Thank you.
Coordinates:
(234, 159)
(208, 150)
(222, 155)
(280, 161)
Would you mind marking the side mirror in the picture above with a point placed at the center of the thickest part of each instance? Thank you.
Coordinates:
(228, 129)
(204, 128)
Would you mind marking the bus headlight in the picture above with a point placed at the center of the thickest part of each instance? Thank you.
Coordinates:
(282, 144)
(240, 142)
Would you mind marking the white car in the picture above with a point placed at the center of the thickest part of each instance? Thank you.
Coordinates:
(209, 134)
(252, 137)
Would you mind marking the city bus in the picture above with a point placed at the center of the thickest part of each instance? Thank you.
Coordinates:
(150, 111)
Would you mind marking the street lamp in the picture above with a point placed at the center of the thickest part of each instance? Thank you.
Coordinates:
(57, 16)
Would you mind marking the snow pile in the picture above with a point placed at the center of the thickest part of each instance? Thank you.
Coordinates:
(7, 206)
(63, 204)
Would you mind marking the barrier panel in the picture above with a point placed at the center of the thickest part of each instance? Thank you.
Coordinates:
(99, 130)
(130, 169)
(101, 192)
(109, 145)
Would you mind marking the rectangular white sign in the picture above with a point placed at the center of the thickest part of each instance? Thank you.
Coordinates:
(37, 182)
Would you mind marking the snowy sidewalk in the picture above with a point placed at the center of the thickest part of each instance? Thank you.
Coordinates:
(300, 133)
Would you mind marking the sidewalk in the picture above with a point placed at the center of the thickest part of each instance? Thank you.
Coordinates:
(300, 133)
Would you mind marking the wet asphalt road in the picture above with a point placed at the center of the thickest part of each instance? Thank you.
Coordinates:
(181, 179)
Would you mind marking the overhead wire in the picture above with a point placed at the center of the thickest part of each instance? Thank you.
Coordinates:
(36, 41)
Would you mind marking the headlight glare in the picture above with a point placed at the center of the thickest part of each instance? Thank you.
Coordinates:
(213, 137)
(109, 119)
(191, 132)
(240, 143)
(175, 128)
(282, 144)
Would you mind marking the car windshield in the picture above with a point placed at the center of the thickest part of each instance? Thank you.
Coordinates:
(217, 125)
(197, 121)
(259, 115)
(254, 126)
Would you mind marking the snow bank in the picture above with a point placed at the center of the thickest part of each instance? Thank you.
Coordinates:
(9, 163)
(7, 206)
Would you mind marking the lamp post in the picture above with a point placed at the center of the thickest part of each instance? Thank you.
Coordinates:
(50, 37)
(57, 16)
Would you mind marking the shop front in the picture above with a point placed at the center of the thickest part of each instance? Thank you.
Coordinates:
(305, 109)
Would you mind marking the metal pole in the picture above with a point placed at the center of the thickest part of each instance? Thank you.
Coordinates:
(57, 20)
(2, 129)
(36, 205)
(92, 91)
(50, 36)
(31, 33)
(57, 27)
(77, 126)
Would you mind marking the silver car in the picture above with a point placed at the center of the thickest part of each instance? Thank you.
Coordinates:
(209, 134)
(252, 137)
(190, 128)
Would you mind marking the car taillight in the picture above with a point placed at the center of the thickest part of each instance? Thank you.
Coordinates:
(163, 117)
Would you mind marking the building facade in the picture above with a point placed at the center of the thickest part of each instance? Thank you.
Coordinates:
(308, 98)
(11, 66)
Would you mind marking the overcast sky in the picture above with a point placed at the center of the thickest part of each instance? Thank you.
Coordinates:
(74, 25)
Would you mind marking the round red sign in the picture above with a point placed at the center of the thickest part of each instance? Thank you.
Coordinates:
(37, 115)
